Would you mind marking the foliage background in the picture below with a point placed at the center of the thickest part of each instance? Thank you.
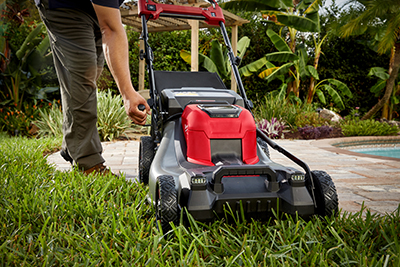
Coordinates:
(347, 60)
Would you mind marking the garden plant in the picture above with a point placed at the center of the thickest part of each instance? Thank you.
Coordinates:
(112, 121)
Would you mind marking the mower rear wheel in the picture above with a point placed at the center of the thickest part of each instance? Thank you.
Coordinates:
(325, 194)
(167, 208)
(264, 146)
(146, 155)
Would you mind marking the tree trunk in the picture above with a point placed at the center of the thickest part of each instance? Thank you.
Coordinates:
(311, 91)
(312, 80)
(386, 107)
(4, 61)
(389, 85)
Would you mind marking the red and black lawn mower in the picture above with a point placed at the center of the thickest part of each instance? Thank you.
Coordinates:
(205, 152)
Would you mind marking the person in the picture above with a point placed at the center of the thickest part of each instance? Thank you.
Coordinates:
(82, 34)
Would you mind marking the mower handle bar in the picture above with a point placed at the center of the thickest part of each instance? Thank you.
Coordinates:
(212, 15)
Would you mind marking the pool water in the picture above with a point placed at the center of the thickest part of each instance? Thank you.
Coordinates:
(393, 152)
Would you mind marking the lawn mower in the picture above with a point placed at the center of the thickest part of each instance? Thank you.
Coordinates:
(205, 154)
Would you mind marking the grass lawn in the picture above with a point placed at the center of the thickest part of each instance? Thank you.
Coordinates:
(50, 218)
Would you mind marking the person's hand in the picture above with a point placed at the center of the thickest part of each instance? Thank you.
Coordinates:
(132, 100)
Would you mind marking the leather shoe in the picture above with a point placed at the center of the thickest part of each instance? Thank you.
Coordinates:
(99, 169)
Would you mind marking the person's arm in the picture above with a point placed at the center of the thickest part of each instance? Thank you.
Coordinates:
(115, 46)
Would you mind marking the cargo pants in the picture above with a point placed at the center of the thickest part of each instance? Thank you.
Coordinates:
(75, 40)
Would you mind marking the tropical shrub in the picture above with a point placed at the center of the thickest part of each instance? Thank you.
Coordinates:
(310, 118)
(293, 114)
(50, 121)
(358, 127)
(112, 120)
(218, 61)
(274, 128)
(276, 107)
(16, 121)
(23, 70)
(383, 76)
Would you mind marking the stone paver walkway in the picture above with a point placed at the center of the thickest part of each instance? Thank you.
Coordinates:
(120, 156)
(374, 181)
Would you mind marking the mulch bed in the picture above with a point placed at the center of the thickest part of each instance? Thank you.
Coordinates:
(336, 133)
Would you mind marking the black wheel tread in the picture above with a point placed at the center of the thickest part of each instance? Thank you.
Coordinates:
(168, 210)
(146, 155)
(326, 195)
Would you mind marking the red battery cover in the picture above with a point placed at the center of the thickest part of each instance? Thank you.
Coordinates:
(199, 128)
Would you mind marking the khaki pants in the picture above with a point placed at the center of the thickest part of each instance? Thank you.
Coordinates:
(75, 40)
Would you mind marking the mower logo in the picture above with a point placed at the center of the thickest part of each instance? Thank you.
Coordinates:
(186, 128)
(187, 93)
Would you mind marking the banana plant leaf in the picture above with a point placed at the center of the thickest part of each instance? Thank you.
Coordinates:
(242, 46)
(321, 96)
(264, 74)
(186, 56)
(36, 60)
(257, 5)
(341, 87)
(32, 35)
(313, 72)
(278, 41)
(314, 17)
(273, 73)
(379, 72)
(44, 45)
(282, 56)
(313, 6)
(217, 56)
(303, 59)
(209, 65)
(218, 61)
(205, 61)
(42, 93)
(378, 87)
(310, 23)
(253, 67)
(335, 96)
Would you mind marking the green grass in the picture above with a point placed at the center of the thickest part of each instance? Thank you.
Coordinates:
(50, 218)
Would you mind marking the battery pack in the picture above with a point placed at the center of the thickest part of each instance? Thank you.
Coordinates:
(219, 134)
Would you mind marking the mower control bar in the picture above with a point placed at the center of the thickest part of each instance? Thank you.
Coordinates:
(291, 157)
(211, 15)
(182, 16)
(242, 170)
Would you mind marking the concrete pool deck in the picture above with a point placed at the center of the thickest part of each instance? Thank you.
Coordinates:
(359, 178)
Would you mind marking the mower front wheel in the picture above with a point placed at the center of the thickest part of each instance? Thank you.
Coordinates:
(146, 155)
(167, 208)
(325, 194)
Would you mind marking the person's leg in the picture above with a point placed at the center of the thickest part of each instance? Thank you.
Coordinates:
(76, 44)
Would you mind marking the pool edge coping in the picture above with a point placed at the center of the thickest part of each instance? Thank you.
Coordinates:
(328, 144)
